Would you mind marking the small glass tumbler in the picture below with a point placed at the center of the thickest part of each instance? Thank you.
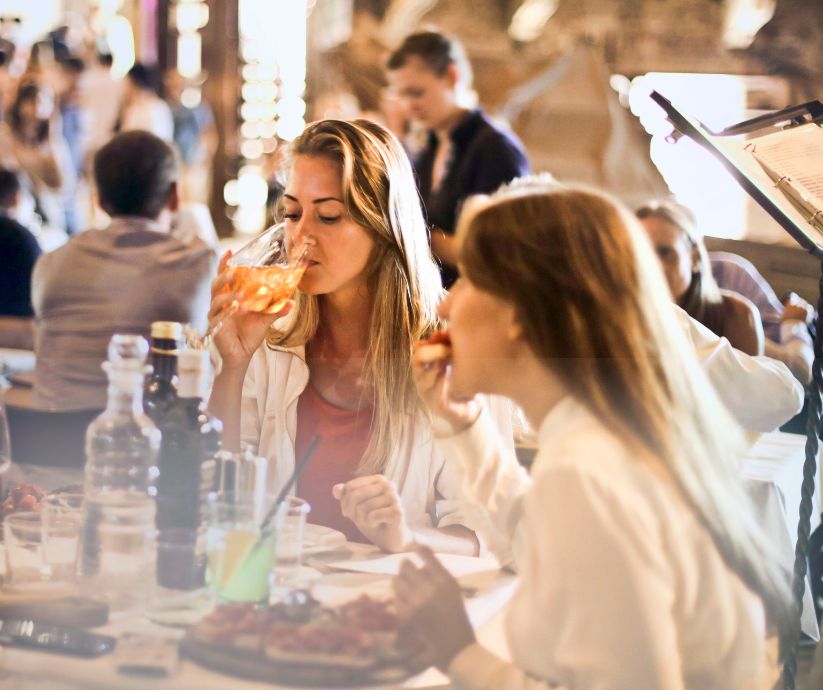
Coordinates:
(289, 525)
(62, 506)
(234, 528)
(38, 551)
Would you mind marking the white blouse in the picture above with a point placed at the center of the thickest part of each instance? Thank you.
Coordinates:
(621, 587)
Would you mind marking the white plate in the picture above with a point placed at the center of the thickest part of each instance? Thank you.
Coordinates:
(317, 539)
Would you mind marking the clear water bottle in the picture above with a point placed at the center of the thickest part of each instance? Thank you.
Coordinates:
(117, 553)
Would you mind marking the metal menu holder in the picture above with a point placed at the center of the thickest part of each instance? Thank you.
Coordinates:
(780, 164)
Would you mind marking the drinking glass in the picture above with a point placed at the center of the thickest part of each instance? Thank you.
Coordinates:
(24, 557)
(63, 505)
(234, 527)
(38, 551)
(5, 440)
(264, 273)
(289, 525)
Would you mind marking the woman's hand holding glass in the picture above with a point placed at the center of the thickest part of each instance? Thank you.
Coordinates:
(373, 505)
(236, 331)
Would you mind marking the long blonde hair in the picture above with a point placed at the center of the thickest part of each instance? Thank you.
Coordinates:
(379, 194)
(590, 294)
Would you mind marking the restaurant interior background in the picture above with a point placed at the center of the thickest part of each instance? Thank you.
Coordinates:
(570, 77)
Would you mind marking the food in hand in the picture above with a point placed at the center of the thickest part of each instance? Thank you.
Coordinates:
(435, 348)
(358, 634)
(22, 498)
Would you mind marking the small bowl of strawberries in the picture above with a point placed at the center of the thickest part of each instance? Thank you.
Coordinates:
(23, 498)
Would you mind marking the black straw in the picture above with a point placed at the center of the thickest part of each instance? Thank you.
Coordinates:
(298, 470)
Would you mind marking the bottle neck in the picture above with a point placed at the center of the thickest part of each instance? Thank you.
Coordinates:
(192, 385)
(125, 393)
(163, 358)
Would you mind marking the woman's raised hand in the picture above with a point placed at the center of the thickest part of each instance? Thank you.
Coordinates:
(430, 363)
(237, 333)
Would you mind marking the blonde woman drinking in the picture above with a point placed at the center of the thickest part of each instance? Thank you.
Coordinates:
(340, 365)
(640, 563)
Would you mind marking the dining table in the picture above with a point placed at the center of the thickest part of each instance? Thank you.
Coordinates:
(770, 473)
(339, 574)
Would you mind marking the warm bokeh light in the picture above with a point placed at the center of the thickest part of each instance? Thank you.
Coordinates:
(273, 46)
(695, 177)
(120, 39)
(531, 18)
(188, 55)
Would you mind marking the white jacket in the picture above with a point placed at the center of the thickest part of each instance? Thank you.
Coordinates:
(427, 480)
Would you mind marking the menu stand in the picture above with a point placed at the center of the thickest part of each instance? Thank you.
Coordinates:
(792, 197)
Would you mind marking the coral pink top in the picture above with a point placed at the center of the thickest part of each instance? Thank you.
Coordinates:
(344, 436)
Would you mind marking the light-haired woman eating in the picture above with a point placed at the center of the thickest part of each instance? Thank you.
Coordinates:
(340, 365)
(640, 563)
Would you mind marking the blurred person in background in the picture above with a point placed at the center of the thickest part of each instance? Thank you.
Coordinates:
(101, 98)
(19, 250)
(116, 280)
(466, 153)
(31, 143)
(75, 132)
(785, 325)
(685, 262)
(6, 81)
(196, 139)
(142, 107)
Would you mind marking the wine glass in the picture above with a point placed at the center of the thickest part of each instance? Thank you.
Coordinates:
(5, 440)
(264, 273)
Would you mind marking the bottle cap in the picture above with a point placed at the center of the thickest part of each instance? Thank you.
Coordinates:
(167, 330)
(128, 348)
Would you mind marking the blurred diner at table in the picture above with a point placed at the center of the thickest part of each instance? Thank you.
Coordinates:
(118, 279)
(785, 324)
(465, 151)
(692, 286)
(19, 249)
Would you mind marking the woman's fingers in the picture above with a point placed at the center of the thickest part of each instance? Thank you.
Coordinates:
(384, 500)
(220, 304)
(430, 561)
(224, 261)
(221, 281)
(390, 515)
(359, 496)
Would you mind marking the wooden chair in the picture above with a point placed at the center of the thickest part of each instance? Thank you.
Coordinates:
(17, 332)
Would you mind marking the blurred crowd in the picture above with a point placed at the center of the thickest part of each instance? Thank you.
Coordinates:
(60, 102)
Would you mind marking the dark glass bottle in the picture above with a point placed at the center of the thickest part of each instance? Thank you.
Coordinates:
(159, 392)
(191, 439)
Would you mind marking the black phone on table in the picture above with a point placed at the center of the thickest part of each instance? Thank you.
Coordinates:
(60, 639)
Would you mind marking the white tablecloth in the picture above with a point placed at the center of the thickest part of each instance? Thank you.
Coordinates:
(773, 470)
